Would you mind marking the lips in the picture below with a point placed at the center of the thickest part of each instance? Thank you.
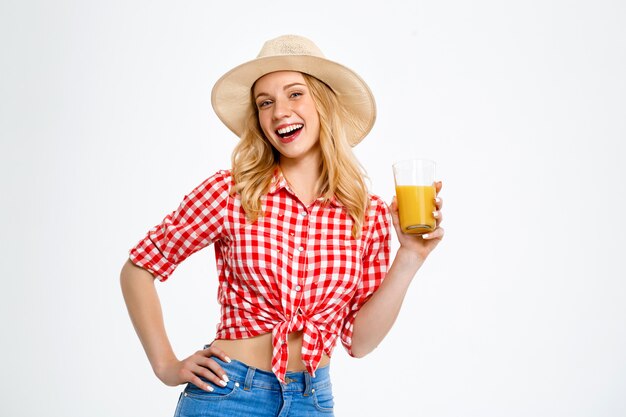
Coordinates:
(289, 133)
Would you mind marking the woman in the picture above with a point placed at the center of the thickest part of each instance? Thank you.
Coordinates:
(302, 250)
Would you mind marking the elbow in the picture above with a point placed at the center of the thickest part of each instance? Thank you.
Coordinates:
(362, 342)
(358, 351)
(358, 354)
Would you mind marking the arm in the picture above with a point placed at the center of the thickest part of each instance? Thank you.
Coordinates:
(378, 314)
(145, 313)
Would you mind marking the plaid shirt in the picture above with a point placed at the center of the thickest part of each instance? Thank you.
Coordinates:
(296, 268)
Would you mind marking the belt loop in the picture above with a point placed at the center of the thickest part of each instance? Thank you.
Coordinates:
(308, 386)
(249, 376)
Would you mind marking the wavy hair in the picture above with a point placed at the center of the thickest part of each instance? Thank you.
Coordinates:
(254, 159)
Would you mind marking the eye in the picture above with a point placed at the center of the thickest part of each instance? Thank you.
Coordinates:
(295, 94)
(264, 103)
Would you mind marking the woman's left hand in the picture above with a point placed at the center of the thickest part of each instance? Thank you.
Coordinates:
(421, 245)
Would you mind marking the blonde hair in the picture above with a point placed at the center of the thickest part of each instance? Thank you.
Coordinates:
(254, 159)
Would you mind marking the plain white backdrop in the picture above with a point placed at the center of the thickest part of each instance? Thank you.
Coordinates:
(106, 123)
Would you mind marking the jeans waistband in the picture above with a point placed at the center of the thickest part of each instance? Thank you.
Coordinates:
(249, 377)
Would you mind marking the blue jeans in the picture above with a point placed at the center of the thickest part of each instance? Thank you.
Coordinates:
(253, 392)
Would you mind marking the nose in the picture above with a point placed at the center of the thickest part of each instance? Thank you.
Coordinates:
(282, 109)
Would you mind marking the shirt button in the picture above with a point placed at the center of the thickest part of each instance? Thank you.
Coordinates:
(303, 214)
(298, 288)
(300, 249)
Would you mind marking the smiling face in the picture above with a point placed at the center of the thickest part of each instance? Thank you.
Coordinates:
(287, 114)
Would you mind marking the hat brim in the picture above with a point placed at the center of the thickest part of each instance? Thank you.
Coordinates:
(231, 93)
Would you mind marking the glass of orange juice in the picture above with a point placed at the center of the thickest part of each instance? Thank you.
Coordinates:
(415, 192)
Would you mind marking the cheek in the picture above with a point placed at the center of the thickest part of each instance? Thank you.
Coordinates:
(316, 123)
(264, 125)
(313, 115)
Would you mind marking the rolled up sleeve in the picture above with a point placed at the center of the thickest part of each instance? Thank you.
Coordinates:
(375, 265)
(196, 223)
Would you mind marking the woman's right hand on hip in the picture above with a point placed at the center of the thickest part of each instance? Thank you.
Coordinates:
(192, 369)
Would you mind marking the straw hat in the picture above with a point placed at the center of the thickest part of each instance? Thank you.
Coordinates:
(231, 93)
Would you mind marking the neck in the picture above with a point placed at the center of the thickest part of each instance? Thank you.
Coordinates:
(302, 175)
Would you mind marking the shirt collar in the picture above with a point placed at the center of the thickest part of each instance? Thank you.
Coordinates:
(279, 182)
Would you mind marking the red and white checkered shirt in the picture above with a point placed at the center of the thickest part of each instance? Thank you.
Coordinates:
(296, 268)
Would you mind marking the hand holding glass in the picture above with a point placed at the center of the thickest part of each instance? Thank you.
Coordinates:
(415, 193)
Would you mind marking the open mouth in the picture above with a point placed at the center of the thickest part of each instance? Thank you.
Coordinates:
(289, 131)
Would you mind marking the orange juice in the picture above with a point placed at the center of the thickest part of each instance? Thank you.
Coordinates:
(416, 204)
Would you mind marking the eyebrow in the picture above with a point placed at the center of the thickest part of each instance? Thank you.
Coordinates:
(287, 87)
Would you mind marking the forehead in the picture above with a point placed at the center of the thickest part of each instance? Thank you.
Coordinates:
(278, 79)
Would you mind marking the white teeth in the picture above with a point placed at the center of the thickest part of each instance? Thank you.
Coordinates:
(289, 129)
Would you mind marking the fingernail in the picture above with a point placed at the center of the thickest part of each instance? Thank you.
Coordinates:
(225, 378)
(437, 200)
(435, 214)
(223, 383)
(227, 359)
(209, 388)
(425, 236)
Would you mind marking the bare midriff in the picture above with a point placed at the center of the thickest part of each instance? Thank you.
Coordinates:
(257, 351)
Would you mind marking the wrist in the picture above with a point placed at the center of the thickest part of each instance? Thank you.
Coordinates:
(409, 258)
(160, 367)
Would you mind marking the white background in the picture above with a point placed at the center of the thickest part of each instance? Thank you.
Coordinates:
(105, 124)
